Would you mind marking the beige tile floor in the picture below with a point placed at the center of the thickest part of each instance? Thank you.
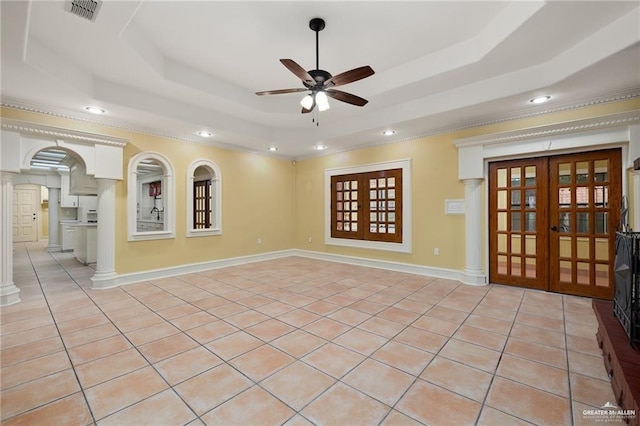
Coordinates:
(291, 341)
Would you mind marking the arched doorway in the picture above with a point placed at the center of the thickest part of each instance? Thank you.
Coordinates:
(98, 156)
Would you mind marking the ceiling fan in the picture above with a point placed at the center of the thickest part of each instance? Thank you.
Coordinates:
(321, 82)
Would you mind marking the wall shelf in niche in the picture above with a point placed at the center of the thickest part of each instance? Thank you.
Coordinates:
(454, 207)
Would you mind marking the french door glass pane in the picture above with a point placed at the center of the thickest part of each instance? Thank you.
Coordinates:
(602, 222)
(530, 200)
(564, 222)
(565, 246)
(582, 248)
(530, 270)
(530, 222)
(530, 174)
(515, 199)
(582, 172)
(564, 173)
(502, 199)
(515, 222)
(515, 176)
(583, 273)
(582, 222)
(515, 244)
(502, 178)
(530, 244)
(602, 249)
(602, 275)
(601, 170)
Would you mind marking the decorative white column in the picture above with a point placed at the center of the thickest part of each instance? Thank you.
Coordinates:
(105, 275)
(9, 293)
(473, 272)
(54, 220)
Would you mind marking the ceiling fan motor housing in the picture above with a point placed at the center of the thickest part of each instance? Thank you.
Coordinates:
(320, 76)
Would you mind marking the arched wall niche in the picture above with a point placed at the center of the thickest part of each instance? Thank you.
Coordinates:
(150, 197)
(204, 199)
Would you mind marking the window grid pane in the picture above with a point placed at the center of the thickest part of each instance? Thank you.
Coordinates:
(378, 194)
(202, 212)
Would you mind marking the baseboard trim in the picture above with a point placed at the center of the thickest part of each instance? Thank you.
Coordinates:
(430, 271)
(116, 280)
(154, 274)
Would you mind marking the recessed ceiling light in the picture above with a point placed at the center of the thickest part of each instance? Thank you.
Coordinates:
(320, 147)
(540, 99)
(273, 148)
(95, 110)
(205, 134)
(389, 132)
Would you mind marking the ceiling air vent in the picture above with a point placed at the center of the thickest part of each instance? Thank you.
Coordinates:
(87, 9)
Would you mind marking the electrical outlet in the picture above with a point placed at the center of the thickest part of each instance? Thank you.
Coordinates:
(436, 251)
(310, 240)
(259, 240)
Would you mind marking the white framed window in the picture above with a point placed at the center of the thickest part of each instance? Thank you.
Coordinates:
(204, 199)
(150, 197)
(395, 239)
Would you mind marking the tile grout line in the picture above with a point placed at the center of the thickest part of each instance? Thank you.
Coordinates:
(150, 364)
(64, 345)
(495, 372)
(275, 316)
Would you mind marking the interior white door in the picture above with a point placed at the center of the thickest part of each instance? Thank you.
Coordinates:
(25, 223)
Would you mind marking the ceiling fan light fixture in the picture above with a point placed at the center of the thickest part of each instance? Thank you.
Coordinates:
(323, 101)
(307, 102)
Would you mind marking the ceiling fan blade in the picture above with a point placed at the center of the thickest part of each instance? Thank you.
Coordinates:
(350, 76)
(306, 111)
(300, 72)
(347, 97)
(281, 91)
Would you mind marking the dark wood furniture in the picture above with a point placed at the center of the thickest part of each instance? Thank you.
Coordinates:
(621, 361)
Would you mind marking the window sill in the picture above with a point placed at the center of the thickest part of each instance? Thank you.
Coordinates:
(151, 235)
(203, 232)
(374, 245)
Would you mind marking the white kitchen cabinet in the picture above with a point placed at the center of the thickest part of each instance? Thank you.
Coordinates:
(80, 182)
(85, 242)
(67, 229)
(66, 199)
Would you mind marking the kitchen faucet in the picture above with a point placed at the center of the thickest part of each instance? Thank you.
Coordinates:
(158, 211)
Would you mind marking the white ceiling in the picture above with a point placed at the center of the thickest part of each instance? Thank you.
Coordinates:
(178, 67)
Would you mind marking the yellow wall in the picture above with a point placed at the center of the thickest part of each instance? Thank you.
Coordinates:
(434, 160)
(435, 178)
(269, 198)
(257, 200)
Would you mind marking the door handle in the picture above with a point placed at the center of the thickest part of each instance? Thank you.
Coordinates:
(554, 228)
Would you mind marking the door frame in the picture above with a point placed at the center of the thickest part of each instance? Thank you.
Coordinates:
(547, 234)
(37, 207)
(574, 150)
(475, 153)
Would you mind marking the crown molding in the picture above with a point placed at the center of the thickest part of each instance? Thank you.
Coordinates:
(51, 132)
(515, 115)
(53, 111)
(528, 113)
(590, 124)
